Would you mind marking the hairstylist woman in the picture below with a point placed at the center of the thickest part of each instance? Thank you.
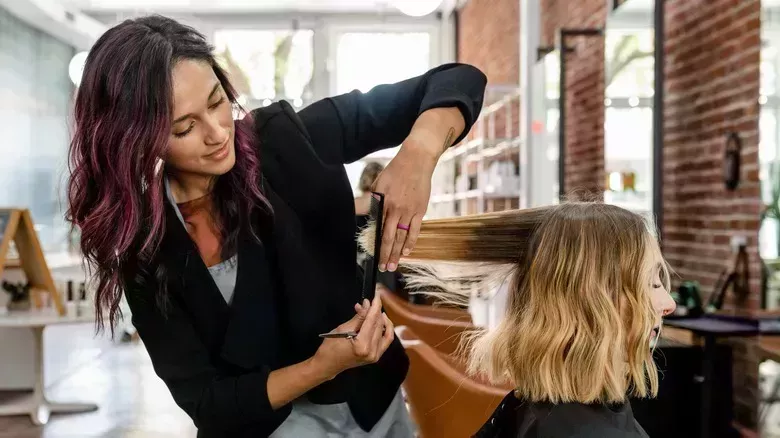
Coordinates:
(234, 241)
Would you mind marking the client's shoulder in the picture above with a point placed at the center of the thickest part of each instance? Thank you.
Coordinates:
(516, 418)
(504, 421)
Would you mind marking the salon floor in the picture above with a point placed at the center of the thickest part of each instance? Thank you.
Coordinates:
(133, 402)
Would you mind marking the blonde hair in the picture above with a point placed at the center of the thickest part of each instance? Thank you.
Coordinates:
(369, 175)
(579, 314)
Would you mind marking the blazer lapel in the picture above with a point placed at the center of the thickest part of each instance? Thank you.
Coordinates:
(252, 336)
(196, 288)
(303, 294)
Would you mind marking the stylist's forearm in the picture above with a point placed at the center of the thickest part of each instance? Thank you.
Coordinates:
(288, 383)
(435, 130)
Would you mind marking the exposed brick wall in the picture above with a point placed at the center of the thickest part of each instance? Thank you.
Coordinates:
(584, 92)
(712, 85)
(712, 81)
(489, 38)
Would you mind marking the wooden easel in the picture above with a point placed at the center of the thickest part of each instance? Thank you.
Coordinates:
(16, 225)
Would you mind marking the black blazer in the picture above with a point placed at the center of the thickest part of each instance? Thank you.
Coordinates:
(215, 358)
(514, 418)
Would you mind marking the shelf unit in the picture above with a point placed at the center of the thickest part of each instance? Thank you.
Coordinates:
(481, 173)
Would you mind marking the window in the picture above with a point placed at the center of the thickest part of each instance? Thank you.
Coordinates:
(769, 155)
(628, 144)
(266, 65)
(769, 134)
(628, 118)
(630, 61)
(552, 85)
(367, 59)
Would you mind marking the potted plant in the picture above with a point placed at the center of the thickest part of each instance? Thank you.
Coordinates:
(19, 296)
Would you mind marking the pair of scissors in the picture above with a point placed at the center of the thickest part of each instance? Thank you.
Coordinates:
(341, 335)
(371, 264)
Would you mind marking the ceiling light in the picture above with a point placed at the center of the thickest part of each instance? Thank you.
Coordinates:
(615, 181)
(76, 67)
(417, 8)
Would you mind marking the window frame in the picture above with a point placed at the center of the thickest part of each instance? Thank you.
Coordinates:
(327, 29)
(336, 30)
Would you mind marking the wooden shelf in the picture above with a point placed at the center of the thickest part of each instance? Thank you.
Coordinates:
(13, 263)
(504, 146)
(444, 197)
(473, 148)
(468, 194)
(459, 196)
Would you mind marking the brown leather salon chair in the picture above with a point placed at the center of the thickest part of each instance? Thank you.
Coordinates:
(432, 311)
(439, 327)
(444, 402)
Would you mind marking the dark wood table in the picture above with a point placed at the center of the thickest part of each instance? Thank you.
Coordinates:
(710, 329)
(769, 348)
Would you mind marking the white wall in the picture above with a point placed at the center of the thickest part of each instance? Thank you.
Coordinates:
(52, 17)
(36, 45)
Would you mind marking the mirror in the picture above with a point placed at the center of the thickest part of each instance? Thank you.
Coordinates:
(769, 152)
(628, 105)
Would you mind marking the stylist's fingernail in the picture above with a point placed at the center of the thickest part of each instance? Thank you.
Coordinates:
(382, 268)
(407, 251)
(366, 303)
(391, 267)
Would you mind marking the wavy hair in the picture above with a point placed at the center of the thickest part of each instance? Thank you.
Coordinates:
(122, 116)
(579, 313)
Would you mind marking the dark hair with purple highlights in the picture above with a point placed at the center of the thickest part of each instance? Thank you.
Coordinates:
(123, 117)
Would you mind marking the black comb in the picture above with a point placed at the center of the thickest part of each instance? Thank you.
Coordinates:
(371, 263)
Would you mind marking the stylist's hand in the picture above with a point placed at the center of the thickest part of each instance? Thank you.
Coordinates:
(406, 181)
(375, 334)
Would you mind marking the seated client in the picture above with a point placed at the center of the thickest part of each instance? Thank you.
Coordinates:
(589, 288)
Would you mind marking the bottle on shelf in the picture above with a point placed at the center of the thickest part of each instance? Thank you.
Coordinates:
(71, 307)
